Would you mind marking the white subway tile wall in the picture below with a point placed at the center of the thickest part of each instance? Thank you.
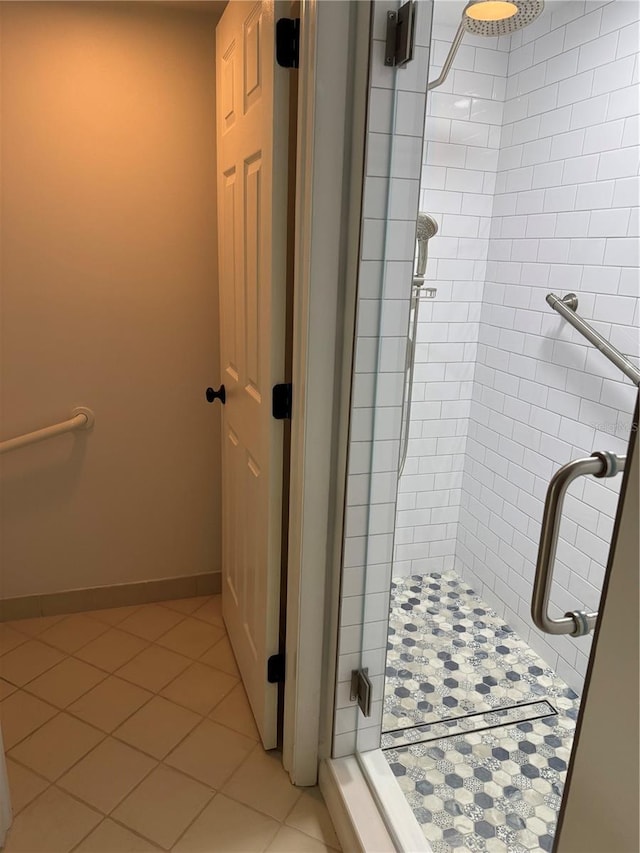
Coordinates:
(563, 216)
(531, 170)
(461, 157)
(564, 219)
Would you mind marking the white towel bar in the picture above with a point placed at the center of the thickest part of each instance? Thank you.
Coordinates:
(81, 418)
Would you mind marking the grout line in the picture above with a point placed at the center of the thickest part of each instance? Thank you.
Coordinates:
(104, 736)
(108, 674)
(66, 770)
(121, 800)
(48, 701)
(59, 711)
(188, 827)
(190, 775)
(158, 763)
(113, 820)
(122, 722)
(173, 747)
(35, 773)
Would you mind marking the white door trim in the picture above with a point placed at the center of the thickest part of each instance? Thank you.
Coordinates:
(331, 114)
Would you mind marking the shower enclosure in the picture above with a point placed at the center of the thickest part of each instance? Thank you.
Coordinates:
(520, 341)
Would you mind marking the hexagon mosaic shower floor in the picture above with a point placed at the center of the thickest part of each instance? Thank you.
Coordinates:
(477, 728)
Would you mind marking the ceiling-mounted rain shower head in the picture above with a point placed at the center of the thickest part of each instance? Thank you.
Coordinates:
(427, 228)
(524, 13)
(489, 18)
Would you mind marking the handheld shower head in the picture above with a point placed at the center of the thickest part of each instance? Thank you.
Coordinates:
(427, 228)
(478, 24)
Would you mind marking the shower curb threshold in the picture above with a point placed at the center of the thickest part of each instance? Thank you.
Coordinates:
(367, 806)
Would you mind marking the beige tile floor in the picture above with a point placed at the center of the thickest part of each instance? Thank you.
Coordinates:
(129, 730)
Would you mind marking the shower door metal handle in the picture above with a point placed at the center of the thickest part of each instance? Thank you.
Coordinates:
(577, 623)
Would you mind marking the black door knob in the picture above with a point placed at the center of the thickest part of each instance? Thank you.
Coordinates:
(212, 395)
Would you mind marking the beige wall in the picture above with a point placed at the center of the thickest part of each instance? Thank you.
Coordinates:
(108, 293)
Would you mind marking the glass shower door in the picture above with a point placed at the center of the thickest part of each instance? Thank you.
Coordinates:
(479, 706)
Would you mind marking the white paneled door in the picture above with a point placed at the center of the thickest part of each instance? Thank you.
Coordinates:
(252, 110)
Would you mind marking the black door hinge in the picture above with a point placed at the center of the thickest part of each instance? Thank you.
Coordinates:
(275, 669)
(288, 42)
(281, 401)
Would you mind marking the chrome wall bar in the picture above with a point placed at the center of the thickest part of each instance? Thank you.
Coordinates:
(576, 623)
(566, 307)
(81, 418)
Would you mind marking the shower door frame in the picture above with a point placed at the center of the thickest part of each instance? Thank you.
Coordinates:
(332, 89)
(348, 764)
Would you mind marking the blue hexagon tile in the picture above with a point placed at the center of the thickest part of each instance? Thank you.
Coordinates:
(449, 655)
(478, 727)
